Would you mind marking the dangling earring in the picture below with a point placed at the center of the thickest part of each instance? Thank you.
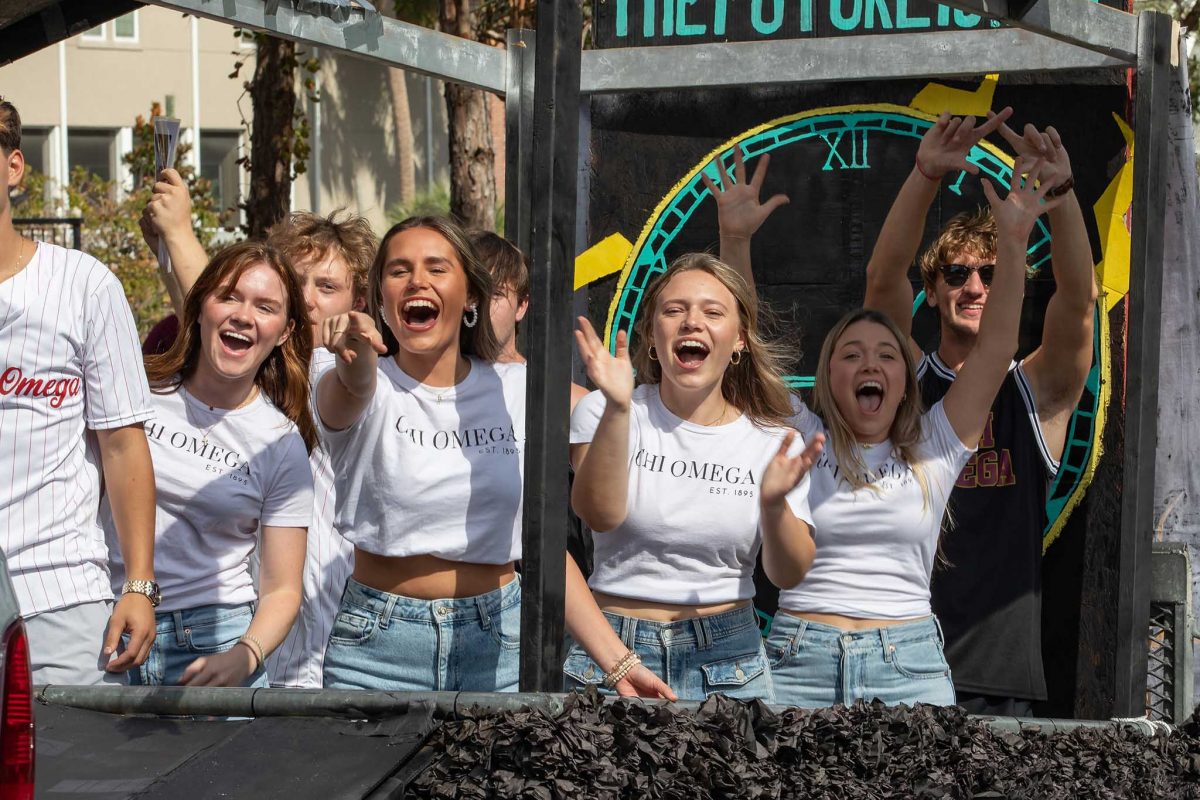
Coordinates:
(474, 320)
(653, 355)
(736, 358)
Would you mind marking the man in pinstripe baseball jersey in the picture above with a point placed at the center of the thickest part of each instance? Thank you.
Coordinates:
(73, 397)
(331, 257)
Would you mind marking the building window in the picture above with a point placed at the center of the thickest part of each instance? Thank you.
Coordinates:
(96, 34)
(34, 146)
(218, 163)
(94, 150)
(125, 28)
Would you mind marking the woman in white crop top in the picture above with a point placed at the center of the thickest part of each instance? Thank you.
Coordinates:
(860, 626)
(230, 443)
(685, 477)
(427, 447)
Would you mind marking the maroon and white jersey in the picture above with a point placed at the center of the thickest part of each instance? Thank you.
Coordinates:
(328, 563)
(69, 364)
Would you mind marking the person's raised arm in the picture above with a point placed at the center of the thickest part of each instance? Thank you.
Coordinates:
(588, 626)
(279, 580)
(129, 484)
(1058, 368)
(943, 150)
(168, 217)
(600, 492)
(969, 399)
(787, 549)
(345, 391)
(739, 212)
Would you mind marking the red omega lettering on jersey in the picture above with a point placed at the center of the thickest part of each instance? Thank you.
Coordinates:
(14, 382)
(987, 469)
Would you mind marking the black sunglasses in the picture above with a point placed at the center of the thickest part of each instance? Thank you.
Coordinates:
(956, 275)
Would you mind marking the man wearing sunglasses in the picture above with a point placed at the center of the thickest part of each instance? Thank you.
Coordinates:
(988, 597)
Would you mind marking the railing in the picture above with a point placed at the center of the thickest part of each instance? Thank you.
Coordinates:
(1169, 679)
(62, 231)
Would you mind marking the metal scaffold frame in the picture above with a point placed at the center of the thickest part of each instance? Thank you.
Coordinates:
(543, 77)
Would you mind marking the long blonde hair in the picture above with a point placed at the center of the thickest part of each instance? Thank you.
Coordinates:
(905, 431)
(754, 385)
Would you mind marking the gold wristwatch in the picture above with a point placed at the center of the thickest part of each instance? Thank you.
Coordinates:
(148, 588)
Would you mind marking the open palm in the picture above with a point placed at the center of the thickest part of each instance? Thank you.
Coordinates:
(611, 374)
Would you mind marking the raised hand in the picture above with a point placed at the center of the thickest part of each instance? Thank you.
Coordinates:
(169, 210)
(739, 212)
(1047, 145)
(1016, 214)
(784, 472)
(612, 375)
(945, 146)
(347, 335)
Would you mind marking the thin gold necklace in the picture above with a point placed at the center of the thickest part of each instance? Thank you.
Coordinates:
(721, 416)
(17, 262)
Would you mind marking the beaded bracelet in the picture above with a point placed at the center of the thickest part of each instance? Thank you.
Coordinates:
(631, 659)
(256, 649)
(1062, 188)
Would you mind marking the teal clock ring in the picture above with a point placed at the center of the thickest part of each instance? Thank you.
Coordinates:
(845, 132)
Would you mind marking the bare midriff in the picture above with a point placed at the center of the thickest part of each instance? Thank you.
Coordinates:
(660, 612)
(429, 577)
(846, 623)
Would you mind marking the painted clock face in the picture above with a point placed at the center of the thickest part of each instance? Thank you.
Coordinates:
(826, 150)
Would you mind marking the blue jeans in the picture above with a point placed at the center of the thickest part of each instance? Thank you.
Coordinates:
(696, 657)
(387, 641)
(816, 665)
(183, 636)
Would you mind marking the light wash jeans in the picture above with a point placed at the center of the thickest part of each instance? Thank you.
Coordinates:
(696, 657)
(183, 636)
(816, 665)
(387, 641)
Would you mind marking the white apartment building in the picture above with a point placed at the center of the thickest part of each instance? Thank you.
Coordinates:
(79, 98)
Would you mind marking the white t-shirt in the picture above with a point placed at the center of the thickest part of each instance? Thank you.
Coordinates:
(299, 661)
(691, 533)
(876, 547)
(220, 475)
(69, 363)
(435, 471)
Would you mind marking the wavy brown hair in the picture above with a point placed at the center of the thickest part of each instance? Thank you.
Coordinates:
(283, 375)
(479, 341)
(905, 431)
(754, 385)
(305, 236)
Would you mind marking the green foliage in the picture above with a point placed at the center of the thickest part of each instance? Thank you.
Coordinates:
(434, 203)
(110, 220)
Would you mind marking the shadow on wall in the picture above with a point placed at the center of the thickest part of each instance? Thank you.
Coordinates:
(359, 164)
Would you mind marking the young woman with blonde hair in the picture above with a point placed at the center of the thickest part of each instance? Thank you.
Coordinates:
(230, 443)
(860, 626)
(685, 477)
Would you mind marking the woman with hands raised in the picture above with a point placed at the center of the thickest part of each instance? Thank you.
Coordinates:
(427, 436)
(860, 626)
(685, 477)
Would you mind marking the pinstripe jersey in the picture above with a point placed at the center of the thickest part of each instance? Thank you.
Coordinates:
(299, 661)
(69, 364)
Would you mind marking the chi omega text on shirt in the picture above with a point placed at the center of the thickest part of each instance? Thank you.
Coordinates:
(498, 439)
(217, 459)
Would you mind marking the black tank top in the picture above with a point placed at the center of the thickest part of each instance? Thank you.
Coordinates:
(989, 596)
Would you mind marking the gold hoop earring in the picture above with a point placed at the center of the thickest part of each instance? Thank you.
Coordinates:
(736, 358)
(653, 355)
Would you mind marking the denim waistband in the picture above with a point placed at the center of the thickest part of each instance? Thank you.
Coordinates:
(915, 630)
(452, 609)
(701, 631)
(177, 622)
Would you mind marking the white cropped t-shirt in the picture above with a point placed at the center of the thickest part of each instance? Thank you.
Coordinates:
(435, 471)
(220, 475)
(876, 546)
(691, 534)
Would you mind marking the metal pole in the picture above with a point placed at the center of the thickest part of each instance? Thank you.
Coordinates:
(552, 169)
(1154, 74)
(314, 117)
(518, 136)
(194, 29)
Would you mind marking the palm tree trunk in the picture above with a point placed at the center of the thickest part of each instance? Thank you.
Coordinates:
(273, 99)
(402, 120)
(472, 159)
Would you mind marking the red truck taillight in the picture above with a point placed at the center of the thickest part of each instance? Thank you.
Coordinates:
(16, 721)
